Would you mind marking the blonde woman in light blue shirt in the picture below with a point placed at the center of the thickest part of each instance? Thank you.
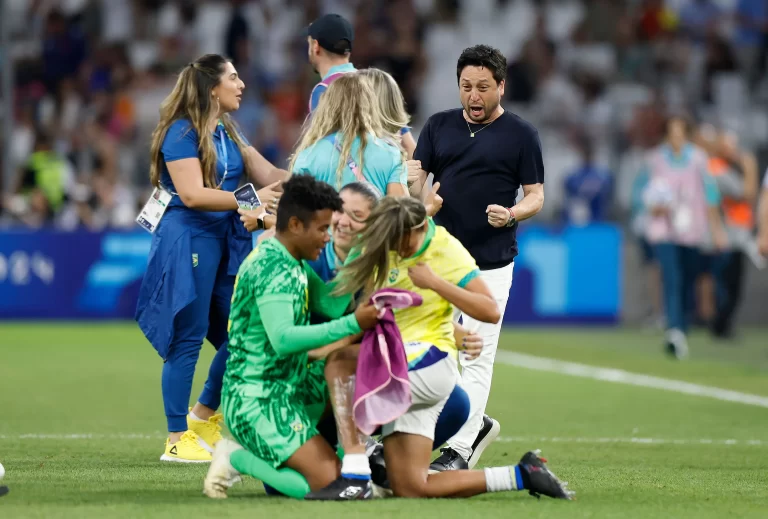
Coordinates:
(345, 140)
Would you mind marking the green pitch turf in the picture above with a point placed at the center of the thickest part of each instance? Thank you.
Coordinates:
(628, 451)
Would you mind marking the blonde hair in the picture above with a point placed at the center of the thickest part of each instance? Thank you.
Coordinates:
(390, 223)
(390, 98)
(191, 99)
(348, 108)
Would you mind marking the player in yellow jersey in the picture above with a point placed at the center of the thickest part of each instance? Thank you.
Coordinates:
(403, 248)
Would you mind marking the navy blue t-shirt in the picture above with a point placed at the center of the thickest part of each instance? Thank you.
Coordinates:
(475, 172)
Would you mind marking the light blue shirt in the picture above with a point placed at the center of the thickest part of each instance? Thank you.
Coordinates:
(327, 265)
(382, 163)
(711, 192)
(638, 187)
(322, 86)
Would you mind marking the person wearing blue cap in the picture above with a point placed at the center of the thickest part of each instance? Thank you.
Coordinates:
(330, 49)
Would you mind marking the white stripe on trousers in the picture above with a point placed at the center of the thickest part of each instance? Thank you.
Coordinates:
(476, 374)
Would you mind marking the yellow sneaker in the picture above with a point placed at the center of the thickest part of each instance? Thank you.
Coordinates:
(208, 431)
(186, 450)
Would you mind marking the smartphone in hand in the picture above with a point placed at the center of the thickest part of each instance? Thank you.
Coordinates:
(247, 198)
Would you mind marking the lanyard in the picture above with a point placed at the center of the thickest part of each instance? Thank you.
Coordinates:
(226, 168)
(350, 162)
(223, 152)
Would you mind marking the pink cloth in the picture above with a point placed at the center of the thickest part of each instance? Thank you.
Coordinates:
(382, 387)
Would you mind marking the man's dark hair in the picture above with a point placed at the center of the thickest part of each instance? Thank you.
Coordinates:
(302, 197)
(483, 56)
(341, 48)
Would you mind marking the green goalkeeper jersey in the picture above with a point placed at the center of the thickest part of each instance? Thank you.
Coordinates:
(269, 331)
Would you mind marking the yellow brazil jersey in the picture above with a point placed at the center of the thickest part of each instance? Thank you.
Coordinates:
(427, 330)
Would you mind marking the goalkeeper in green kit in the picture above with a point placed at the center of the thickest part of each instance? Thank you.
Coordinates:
(273, 396)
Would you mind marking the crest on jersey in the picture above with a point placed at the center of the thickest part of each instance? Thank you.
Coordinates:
(393, 275)
(297, 426)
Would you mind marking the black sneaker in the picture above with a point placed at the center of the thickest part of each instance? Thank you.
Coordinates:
(538, 480)
(449, 459)
(4, 490)
(378, 467)
(371, 446)
(488, 433)
(343, 489)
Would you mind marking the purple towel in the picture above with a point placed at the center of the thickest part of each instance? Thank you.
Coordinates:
(382, 388)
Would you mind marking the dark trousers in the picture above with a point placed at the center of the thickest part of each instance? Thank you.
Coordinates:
(679, 267)
(729, 278)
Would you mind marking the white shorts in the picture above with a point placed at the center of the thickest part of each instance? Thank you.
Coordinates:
(431, 387)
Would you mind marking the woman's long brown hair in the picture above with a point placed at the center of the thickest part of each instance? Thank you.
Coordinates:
(192, 99)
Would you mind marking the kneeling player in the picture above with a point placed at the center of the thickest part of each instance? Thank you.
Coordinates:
(402, 248)
(359, 199)
(272, 396)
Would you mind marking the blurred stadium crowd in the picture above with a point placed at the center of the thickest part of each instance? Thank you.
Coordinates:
(597, 77)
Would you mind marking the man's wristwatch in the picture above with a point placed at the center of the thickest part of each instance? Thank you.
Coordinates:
(511, 220)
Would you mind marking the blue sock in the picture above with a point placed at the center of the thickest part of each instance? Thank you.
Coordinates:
(519, 478)
(355, 466)
(453, 416)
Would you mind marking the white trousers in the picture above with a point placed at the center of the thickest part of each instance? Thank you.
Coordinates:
(476, 374)
(430, 389)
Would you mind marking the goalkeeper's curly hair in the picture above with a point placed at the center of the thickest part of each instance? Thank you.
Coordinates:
(302, 197)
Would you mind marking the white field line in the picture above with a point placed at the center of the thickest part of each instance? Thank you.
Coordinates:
(540, 364)
(502, 439)
(85, 436)
(625, 377)
(635, 440)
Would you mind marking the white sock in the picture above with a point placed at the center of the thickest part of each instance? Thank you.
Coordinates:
(356, 466)
(196, 418)
(500, 479)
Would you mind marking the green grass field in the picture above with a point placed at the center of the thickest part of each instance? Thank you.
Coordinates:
(81, 431)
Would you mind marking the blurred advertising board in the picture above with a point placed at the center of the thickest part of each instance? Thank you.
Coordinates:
(569, 275)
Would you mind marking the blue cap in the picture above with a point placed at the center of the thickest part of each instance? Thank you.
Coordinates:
(333, 32)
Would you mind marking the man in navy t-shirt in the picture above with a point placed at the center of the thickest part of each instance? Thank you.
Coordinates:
(482, 155)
